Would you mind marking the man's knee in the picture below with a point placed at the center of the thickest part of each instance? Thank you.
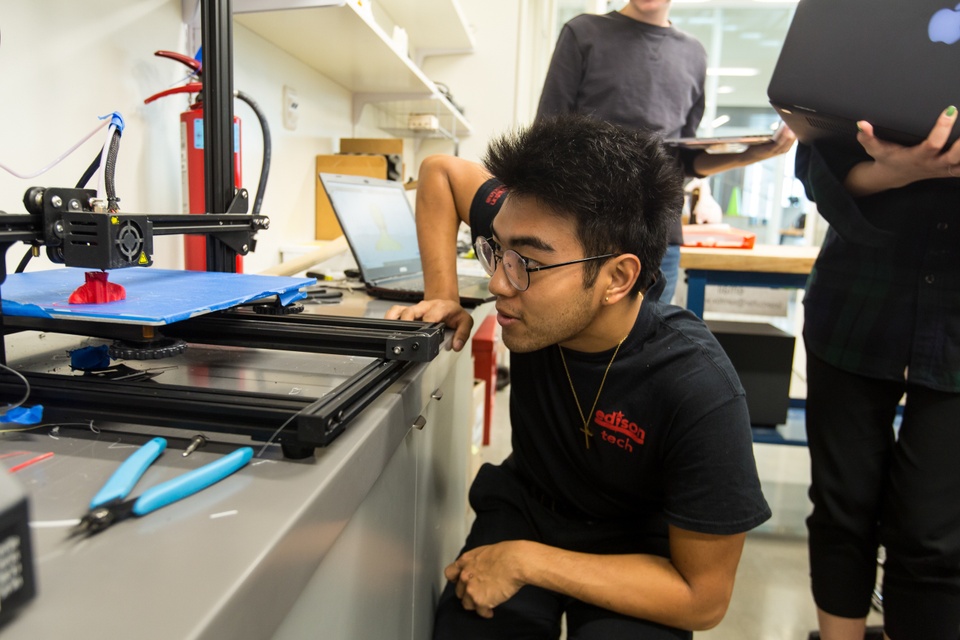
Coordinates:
(531, 614)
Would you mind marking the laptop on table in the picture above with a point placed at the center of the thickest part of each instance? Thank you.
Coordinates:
(378, 223)
(893, 63)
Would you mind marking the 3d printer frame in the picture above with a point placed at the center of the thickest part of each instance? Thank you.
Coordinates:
(61, 220)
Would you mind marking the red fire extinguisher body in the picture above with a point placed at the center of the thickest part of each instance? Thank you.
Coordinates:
(192, 167)
(191, 159)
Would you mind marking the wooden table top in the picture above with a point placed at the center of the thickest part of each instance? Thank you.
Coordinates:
(773, 258)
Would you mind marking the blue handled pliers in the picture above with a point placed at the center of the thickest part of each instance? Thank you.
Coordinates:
(109, 506)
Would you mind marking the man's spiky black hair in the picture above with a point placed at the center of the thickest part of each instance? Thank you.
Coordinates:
(620, 186)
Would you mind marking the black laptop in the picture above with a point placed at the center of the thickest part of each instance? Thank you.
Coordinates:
(379, 226)
(893, 63)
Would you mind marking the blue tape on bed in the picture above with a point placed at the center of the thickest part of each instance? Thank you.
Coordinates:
(154, 296)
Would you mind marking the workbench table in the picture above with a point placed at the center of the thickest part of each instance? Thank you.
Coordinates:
(775, 266)
(348, 544)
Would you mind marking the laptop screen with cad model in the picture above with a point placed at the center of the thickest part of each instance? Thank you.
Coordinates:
(378, 223)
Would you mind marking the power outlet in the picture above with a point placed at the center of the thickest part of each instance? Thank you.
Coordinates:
(291, 108)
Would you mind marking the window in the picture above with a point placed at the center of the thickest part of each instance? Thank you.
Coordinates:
(742, 43)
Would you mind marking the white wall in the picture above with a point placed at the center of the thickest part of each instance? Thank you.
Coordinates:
(261, 70)
(63, 63)
(494, 83)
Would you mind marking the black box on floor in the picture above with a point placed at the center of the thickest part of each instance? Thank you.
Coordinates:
(763, 357)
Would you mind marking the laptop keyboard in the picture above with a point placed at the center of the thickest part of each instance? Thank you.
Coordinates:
(417, 284)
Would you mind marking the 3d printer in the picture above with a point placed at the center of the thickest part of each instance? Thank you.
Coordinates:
(76, 231)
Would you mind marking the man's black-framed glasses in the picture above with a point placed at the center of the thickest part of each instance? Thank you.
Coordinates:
(515, 266)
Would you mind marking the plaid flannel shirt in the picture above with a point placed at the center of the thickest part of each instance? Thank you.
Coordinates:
(883, 299)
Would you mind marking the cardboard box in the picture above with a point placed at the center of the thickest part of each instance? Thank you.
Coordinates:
(372, 166)
(763, 357)
(390, 148)
(384, 146)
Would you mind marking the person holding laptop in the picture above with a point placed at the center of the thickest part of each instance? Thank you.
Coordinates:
(631, 483)
(633, 68)
(881, 323)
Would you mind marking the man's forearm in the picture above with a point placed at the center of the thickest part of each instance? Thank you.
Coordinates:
(708, 164)
(437, 226)
(641, 586)
(438, 255)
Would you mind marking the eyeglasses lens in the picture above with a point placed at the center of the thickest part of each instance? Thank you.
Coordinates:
(513, 266)
(515, 270)
(485, 254)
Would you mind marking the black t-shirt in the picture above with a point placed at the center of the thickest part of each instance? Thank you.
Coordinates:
(671, 432)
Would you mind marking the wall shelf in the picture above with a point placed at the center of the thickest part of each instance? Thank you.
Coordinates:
(344, 43)
(435, 27)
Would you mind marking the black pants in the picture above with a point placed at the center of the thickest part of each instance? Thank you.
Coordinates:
(507, 510)
(871, 486)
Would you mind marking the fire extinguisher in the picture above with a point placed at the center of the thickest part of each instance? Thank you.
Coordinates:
(191, 156)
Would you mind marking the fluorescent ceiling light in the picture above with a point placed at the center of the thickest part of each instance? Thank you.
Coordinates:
(725, 89)
(720, 121)
(743, 72)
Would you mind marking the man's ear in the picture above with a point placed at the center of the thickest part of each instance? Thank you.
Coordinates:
(623, 272)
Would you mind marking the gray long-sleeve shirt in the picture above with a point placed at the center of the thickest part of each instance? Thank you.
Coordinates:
(627, 72)
(630, 73)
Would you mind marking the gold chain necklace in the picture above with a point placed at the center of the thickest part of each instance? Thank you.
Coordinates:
(587, 434)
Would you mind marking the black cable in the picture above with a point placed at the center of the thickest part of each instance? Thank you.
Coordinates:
(265, 165)
(110, 170)
(446, 93)
(92, 169)
(25, 260)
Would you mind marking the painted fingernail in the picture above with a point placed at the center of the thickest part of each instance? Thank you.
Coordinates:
(859, 128)
(951, 111)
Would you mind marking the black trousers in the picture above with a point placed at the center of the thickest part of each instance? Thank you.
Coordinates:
(872, 486)
(507, 510)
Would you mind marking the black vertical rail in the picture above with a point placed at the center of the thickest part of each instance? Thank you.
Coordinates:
(218, 175)
(3, 276)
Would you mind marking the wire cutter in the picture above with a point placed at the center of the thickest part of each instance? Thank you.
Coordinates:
(109, 506)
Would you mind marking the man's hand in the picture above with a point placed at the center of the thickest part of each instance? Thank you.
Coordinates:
(446, 311)
(708, 164)
(783, 140)
(486, 576)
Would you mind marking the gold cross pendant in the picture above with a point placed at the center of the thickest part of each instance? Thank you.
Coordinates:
(587, 434)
